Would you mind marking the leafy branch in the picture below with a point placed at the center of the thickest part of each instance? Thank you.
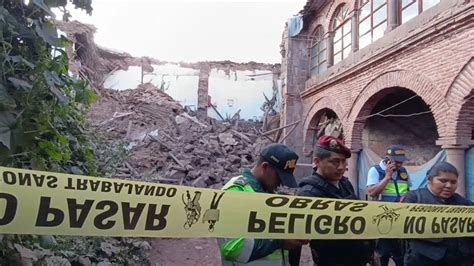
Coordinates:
(42, 122)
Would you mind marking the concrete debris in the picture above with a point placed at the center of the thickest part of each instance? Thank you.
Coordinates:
(27, 256)
(227, 139)
(174, 174)
(84, 261)
(142, 245)
(234, 159)
(104, 263)
(55, 260)
(109, 249)
(166, 144)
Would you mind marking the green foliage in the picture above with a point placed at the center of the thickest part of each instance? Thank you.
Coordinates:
(42, 124)
(41, 106)
(124, 251)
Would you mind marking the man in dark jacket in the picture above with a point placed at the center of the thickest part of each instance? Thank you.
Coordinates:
(327, 181)
(442, 184)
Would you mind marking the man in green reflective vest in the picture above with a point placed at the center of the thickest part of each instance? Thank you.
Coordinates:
(389, 181)
(274, 168)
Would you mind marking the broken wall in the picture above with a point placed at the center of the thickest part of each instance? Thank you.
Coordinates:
(241, 90)
(232, 86)
(230, 91)
(181, 83)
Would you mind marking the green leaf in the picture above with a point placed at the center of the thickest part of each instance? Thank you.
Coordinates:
(84, 94)
(7, 122)
(51, 150)
(83, 4)
(20, 59)
(55, 3)
(19, 83)
(63, 99)
(52, 78)
(6, 100)
(63, 140)
(12, 26)
(42, 5)
(14, 59)
(48, 32)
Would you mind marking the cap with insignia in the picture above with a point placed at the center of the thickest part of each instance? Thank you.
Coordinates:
(333, 144)
(397, 153)
(283, 160)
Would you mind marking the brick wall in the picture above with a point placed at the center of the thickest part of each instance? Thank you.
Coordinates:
(203, 92)
(295, 72)
(431, 55)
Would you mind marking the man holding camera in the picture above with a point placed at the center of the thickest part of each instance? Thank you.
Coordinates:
(389, 181)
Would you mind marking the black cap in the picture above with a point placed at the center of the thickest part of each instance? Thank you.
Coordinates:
(283, 160)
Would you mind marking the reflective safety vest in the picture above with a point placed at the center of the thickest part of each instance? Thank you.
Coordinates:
(396, 187)
(237, 251)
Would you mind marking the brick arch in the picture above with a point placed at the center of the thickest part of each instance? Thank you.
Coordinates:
(465, 120)
(331, 11)
(314, 114)
(460, 95)
(313, 32)
(385, 84)
(319, 21)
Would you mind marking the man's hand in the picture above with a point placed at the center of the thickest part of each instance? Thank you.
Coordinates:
(389, 169)
(376, 189)
(293, 243)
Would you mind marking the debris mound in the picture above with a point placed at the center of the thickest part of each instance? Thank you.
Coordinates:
(163, 143)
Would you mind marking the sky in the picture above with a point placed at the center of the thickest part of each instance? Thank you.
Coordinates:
(193, 30)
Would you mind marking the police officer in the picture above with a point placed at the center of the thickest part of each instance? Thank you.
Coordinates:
(389, 181)
(442, 184)
(274, 168)
(327, 181)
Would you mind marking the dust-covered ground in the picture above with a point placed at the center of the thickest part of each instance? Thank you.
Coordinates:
(195, 251)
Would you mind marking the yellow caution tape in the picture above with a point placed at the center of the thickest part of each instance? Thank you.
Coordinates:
(35, 202)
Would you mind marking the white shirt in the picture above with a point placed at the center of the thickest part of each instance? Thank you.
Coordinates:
(373, 176)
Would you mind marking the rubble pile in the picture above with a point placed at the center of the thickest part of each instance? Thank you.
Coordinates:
(69, 250)
(166, 144)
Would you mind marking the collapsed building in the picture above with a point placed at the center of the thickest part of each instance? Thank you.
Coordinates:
(191, 124)
(392, 72)
(232, 88)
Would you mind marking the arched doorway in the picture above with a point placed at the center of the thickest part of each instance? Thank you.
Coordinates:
(396, 116)
(465, 119)
(323, 121)
(401, 117)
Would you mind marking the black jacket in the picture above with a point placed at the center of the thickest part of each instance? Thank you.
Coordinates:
(436, 248)
(347, 252)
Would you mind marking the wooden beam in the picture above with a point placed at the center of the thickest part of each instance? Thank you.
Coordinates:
(280, 128)
(287, 134)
